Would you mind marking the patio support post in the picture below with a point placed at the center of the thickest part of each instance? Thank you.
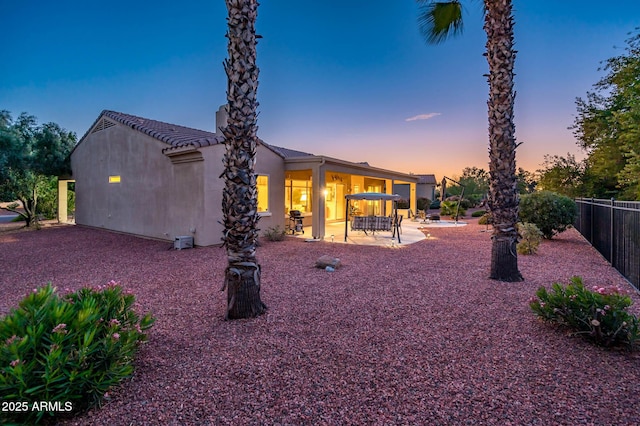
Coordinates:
(413, 199)
(317, 189)
(63, 214)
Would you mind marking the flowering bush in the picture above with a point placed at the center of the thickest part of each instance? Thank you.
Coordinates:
(67, 350)
(599, 314)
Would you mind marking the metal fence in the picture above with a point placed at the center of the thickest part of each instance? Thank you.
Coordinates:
(613, 228)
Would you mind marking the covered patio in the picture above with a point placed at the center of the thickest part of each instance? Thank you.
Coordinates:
(316, 186)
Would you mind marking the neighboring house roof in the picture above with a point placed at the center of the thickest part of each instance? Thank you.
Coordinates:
(427, 179)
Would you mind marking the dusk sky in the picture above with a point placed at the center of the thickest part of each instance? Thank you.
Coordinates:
(348, 79)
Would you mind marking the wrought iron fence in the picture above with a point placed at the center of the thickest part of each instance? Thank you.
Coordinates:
(613, 228)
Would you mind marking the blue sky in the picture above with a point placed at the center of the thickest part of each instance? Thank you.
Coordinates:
(338, 78)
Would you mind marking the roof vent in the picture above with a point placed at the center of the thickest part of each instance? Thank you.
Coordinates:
(103, 124)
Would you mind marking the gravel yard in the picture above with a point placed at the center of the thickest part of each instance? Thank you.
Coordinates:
(416, 335)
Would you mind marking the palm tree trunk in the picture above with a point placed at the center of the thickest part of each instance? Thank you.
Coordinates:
(239, 199)
(503, 195)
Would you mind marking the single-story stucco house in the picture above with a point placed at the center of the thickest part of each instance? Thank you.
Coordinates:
(160, 180)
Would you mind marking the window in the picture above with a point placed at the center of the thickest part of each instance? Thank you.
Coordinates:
(262, 184)
(114, 179)
(298, 195)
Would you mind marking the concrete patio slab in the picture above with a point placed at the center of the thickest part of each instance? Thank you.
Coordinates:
(410, 233)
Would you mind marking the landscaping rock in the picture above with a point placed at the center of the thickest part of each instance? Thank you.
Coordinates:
(326, 260)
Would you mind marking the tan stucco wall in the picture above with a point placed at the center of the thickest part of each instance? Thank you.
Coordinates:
(155, 198)
(267, 163)
(425, 190)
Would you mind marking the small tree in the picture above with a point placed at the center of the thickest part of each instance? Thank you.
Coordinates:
(29, 156)
(607, 126)
(564, 176)
(527, 181)
(552, 213)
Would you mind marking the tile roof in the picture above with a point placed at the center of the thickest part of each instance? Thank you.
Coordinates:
(286, 152)
(172, 134)
(427, 179)
(179, 136)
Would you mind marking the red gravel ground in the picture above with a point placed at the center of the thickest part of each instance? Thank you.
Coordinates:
(416, 335)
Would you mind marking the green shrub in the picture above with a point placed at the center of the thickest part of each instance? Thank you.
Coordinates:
(599, 315)
(478, 213)
(47, 205)
(552, 213)
(466, 204)
(423, 203)
(275, 233)
(530, 238)
(449, 208)
(475, 199)
(435, 204)
(67, 350)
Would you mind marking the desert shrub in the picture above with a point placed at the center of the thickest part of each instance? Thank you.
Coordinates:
(423, 203)
(67, 350)
(600, 314)
(275, 233)
(530, 237)
(478, 213)
(466, 204)
(448, 208)
(550, 212)
(485, 219)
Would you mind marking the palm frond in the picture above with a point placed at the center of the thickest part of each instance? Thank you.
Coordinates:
(440, 20)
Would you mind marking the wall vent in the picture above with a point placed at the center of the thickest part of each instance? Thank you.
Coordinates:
(103, 124)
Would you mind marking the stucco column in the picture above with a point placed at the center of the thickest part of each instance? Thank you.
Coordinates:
(317, 189)
(388, 189)
(413, 200)
(63, 214)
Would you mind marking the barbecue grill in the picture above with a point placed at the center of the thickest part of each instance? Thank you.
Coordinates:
(295, 222)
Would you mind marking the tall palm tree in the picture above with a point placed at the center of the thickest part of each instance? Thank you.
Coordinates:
(438, 21)
(239, 199)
